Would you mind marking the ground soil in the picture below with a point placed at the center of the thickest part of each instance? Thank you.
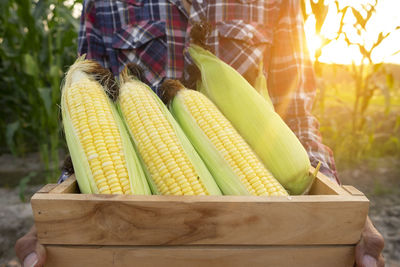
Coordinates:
(379, 179)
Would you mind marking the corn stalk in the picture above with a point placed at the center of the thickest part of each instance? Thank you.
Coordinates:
(38, 42)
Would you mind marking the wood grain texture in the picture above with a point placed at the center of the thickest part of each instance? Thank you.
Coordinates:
(352, 190)
(286, 256)
(324, 186)
(179, 220)
(46, 189)
(68, 186)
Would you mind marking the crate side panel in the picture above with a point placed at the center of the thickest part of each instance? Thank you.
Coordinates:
(109, 220)
(68, 186)
(46, 188)
(322, 185)
(327, 256)
(352, 190)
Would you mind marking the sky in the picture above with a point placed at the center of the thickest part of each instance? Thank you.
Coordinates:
(384, 20)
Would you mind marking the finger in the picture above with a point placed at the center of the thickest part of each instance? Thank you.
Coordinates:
(381, 261)
(41, 255)
(368, 261)
(29, 251)
(30, 260)
(35, 258)
(368, 250)
(372, 240)
(25, 245)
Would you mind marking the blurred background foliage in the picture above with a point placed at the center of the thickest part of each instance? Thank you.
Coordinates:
(357, 105)
(38, 41)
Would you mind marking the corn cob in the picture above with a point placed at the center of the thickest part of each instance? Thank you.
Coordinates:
(103, 156)
(171, 163)
(235, 167)
(255, 119)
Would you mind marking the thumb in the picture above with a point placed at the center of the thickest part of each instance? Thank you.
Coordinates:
(29, 251)
(30, 260)
(41, 255)
(36, 258)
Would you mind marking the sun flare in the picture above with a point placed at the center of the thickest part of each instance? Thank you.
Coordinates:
(384, 20)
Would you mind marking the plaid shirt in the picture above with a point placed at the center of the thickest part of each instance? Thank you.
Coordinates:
(155, 33)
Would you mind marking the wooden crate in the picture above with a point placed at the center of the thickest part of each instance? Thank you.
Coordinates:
(320, 229)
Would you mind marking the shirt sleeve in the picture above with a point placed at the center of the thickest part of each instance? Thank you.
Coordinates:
(292, 87)
(90, 40)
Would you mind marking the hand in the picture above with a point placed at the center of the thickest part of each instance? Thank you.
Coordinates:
(29, 251)
(369, 249)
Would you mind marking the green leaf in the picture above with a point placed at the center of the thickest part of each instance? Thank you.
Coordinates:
(394, 142)
(40, 10)
(67, 15)
(390, 80)
(364, 51)
(303, 9)
(31, 67)
(22, 185)
(360, 20)
(11, 129)
(337, 6)
(377, 67)
(386, 95)
(320, 10)
(397, 125)
(45, 95)
(55, 71)
(4, 4)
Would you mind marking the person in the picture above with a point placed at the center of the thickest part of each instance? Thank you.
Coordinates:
(154, 34)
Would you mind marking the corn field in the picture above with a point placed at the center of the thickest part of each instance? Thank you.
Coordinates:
(38, 43)
(358, 104)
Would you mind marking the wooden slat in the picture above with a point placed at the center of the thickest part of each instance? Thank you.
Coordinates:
(352, 190)
(321, 186)
(285, 256)
(68, 186)
(178, 220)
(46, 189)
(324, 186)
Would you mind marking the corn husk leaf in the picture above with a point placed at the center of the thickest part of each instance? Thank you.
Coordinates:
(137, 177)
(199, 166)
(150, 182)
(260, 83)
(223, 174)
(255, 119)
(82, 170)
(78, 72)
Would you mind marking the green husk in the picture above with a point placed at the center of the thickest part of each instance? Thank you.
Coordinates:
(223, 174)
(255, 119)
(79, 71)
(150, 182)
(199, 166)
(260, 83)
(137, 177)
(82, 170)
